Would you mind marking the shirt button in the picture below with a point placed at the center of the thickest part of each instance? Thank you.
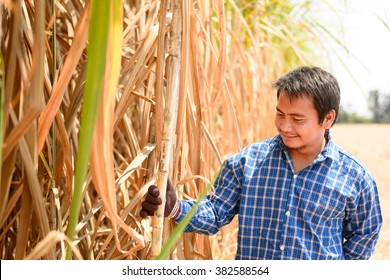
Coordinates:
(288, 213)
(295, 176)
(281, 247)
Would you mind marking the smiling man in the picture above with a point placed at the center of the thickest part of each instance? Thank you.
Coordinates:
(297, 195)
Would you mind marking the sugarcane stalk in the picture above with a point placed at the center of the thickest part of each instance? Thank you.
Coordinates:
(170, 116)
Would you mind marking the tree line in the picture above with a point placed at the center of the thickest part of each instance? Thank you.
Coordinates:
(378, 105)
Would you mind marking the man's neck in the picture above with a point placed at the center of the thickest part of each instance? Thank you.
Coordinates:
(304, 156)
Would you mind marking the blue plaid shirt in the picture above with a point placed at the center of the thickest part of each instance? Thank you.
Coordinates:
(328, 210)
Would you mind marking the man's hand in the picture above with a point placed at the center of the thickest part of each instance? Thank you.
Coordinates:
(152, 201)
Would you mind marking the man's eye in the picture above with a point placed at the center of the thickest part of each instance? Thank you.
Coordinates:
(299, 120)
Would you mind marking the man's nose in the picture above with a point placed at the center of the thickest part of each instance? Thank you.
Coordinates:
(285, 125)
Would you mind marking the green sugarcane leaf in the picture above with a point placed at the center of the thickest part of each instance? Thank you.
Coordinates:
(96, 66)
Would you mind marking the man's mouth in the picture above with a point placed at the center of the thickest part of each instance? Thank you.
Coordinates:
(289, 136)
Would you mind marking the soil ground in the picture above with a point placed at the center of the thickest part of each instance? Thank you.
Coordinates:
(370, 143)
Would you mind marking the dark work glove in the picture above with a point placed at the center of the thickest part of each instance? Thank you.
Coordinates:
(152, 201)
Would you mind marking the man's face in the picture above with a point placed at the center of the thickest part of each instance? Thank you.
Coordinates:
(297, 122)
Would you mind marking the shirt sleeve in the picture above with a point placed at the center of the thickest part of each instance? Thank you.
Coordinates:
(363, 223)
(215, 210)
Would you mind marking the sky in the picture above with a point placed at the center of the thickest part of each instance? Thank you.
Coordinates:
(368, 41)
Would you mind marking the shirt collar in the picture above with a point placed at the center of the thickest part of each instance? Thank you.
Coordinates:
(330, 150)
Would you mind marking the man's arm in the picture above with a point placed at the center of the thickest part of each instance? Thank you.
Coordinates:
(363, 223)
(215, 210)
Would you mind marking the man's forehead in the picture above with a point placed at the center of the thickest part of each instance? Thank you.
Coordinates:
(296, 105)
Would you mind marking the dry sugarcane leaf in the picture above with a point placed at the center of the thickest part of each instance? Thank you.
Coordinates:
(25, 219)
(123, 103)
(10, 204)
(220, 71)
(34, 186)
(70, 64)
(20, 128)
(46, 245)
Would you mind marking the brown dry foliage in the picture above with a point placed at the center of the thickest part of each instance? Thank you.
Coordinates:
(229, 61)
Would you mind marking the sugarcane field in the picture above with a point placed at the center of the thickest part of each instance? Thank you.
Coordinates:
(100, 100)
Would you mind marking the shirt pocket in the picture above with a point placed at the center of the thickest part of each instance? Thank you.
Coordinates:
(324, 209)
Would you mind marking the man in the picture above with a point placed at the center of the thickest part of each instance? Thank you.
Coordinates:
(297, 195)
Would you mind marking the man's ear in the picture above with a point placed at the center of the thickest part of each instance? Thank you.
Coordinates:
(329, 119)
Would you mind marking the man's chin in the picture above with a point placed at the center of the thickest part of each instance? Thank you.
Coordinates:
(291, 142)
(293, 146)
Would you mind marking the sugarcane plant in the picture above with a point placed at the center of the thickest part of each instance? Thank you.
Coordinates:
(170, 114)
(101, 99)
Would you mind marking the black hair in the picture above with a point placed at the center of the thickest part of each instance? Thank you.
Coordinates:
(311, 82)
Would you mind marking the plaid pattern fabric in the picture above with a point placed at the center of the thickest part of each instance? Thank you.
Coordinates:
(328, 210)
